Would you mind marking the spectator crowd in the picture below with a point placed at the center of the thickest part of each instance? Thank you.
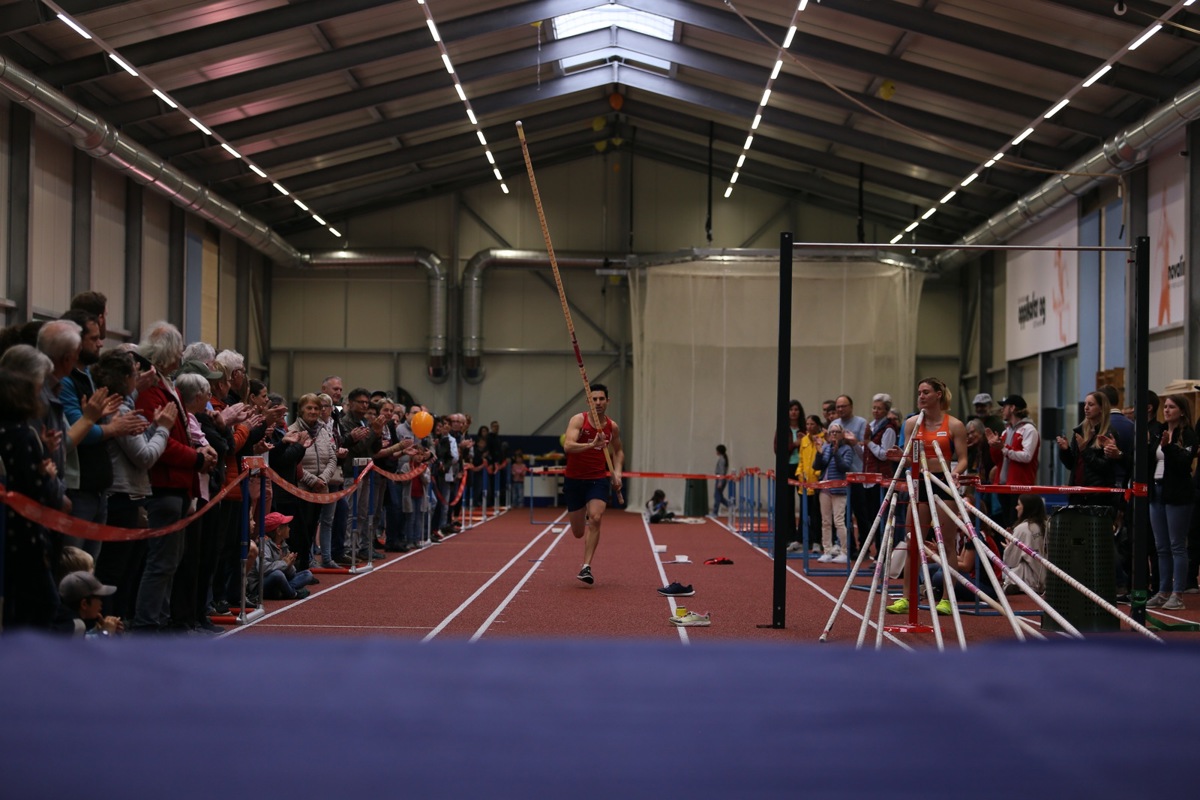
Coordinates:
(143, 435)
(1003, 450)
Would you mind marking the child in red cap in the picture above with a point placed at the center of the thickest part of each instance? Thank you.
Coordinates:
(281, 580)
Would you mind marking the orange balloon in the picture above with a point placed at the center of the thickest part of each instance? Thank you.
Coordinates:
(422, 424)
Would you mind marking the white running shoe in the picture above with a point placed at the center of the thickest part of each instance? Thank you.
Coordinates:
(826, 558)
(795, 547)
(692, 620)
(840, 558)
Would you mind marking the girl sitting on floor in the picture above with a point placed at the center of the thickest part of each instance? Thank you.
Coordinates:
(656, 508)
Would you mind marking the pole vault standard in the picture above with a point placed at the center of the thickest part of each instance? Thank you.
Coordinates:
(1139, 367)
(562, 296)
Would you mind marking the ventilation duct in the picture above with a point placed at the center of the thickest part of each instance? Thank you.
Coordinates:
(472, 288)
(1117, 155)
(99, 139)
(439, 302)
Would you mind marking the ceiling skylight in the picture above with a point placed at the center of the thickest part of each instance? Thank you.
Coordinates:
(608, 16)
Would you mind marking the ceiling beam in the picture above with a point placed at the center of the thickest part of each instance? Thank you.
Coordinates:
(382, 48)
(200, 38)
(1007, 45)
(433, 150)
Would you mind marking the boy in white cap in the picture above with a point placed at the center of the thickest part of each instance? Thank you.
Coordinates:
(81, 595)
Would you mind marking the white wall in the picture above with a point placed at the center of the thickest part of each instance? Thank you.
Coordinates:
(50, 209)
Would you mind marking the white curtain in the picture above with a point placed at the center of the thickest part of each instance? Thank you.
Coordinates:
(705, 355)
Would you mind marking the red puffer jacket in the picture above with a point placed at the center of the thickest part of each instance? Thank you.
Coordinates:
(177, 468)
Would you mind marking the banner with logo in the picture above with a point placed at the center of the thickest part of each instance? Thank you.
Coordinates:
(1166, 224)
(1041, 288)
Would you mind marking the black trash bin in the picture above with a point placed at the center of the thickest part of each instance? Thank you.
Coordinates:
(1080, 542)
(695, 498)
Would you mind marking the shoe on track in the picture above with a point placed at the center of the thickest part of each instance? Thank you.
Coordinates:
(899, 607)
(677, 590)
(692, 620)
(943, 607)
(585, 575)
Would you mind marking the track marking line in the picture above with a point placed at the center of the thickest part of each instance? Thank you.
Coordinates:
(454, 614)
(352, 627)
(351, 579)
(487, 623)
(662, 574)
(853, 612)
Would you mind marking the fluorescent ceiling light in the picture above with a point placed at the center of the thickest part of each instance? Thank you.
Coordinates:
(1142, 39)
(1100, 73)
(254, 168)
(1061, 105)
(122, 64)
(200, 125)
(969, 179)
(230, 150)
(335, 232)
(162, 96)
(433, 30)
(280, 189)
(1023, 136)
(911, 227)
(71, 24)
(947, 198)
(929, 213)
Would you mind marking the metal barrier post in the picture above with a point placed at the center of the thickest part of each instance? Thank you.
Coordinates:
(356, 536)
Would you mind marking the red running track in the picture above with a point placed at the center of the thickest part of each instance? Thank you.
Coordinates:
(510, 578)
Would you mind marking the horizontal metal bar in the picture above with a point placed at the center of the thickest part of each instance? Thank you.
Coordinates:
(889, 246)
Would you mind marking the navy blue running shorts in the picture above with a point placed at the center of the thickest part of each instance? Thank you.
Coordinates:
(578, 491)
(923, 497)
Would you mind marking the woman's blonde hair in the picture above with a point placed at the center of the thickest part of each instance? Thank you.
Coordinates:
(1090, 431)
(939, 386)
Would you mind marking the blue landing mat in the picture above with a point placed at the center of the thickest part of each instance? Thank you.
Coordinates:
(269, 718)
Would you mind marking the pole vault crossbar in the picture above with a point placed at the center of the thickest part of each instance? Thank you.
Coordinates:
(1139, 254)
(982, 247)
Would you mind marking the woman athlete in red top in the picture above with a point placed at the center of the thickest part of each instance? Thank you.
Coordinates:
(950, 437)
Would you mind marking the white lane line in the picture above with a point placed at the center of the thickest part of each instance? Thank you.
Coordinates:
(352, 627)
(297, 603)
(846, 608)
(487, 623)
(683, 634)
(454, 614)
